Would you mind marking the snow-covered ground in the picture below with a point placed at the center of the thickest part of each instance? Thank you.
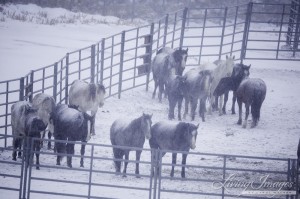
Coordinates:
(25, 45)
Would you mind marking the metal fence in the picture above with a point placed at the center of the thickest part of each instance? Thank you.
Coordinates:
(122, 62)
(206, 175)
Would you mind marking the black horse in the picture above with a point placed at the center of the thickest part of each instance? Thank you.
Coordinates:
(166, 63)
(129, 134)
(72, 125)
(226, 84)
(176, 86)
(176, 136)
(252, 92)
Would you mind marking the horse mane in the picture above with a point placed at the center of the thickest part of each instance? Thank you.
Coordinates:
(180, 132)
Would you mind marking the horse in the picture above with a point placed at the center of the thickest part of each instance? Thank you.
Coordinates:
(88, 97)
(226, 84)
(298, 152)
(167, 62)
(45, 104)
(224, 69)
(177, 88)
(72, 125)
(252, 92)
(26, 122)
(176, 136)
(198, 85)
(129, 134)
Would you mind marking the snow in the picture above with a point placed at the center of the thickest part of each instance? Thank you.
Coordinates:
(26, 46)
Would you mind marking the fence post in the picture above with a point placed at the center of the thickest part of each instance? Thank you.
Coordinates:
(149, 56)
(166, 30)
(246, 31)
(296, 38)
(102, 60)
(224, 176)
(29, 87)
(183, 26)
(121, 63)
(223, 31)
(55, 81)
(21, 95)
(67, 79)
(93, 63)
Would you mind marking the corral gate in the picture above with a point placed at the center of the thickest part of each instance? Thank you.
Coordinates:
(122, 62)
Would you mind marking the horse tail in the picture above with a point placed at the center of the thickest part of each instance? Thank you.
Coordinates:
(93, 91)
(258, 99)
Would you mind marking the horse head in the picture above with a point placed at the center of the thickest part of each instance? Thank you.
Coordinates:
(180, 57)
(146, 123)
(240, 71)
(101, 93)
(191, 134)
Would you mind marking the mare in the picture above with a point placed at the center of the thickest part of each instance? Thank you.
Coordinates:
(125, 134)
(175, 136)
(166, 63)
(252, 92)
(88, 97)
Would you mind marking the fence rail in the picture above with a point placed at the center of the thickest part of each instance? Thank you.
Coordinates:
(122, 62)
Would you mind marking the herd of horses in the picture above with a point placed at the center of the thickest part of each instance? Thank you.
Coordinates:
(208, 83)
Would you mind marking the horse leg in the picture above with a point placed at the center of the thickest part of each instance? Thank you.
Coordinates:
(184, 156)
(155, 87)
(186, 107)
(82, 152)
(246, 115)
(137, 158)
(19, 145)
(233, 102)
(225, 102)
(49, 137)
(172, 104)
(15, 145)
(193, 108)
(125, 163)
(202, 109)
(37, 148)
(70, 152)
(215, 104)
(92, 130)
(240, 103)
(179, 101)
(220, 105)
(160, 90)
(174, 157)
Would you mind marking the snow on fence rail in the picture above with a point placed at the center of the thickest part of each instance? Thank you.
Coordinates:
(122, 62)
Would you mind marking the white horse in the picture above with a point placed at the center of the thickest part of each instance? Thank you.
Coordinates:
(223, 69)
(87, 97)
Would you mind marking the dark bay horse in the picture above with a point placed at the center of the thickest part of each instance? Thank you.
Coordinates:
(176, 136)
(177, 87)
(167, 62)
(129, 134)
(252, 92)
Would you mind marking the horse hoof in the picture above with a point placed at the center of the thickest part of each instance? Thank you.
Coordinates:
(239, 122)
(124, 176)
(15, 159)
(70, 166)
(82, 166)
(37, 168)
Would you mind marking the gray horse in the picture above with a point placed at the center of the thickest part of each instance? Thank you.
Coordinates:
(167, 62)
(88, 97)
(129, 134)
(176, 136)
(252, 92)
(198, 85)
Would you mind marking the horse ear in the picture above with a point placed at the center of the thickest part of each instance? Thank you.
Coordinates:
(151, 115)
(198, 125)
(226, 56)
(187, 50)
(249, 66)
(233, 57)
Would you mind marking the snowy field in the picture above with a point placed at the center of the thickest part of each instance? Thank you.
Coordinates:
(25, 45)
